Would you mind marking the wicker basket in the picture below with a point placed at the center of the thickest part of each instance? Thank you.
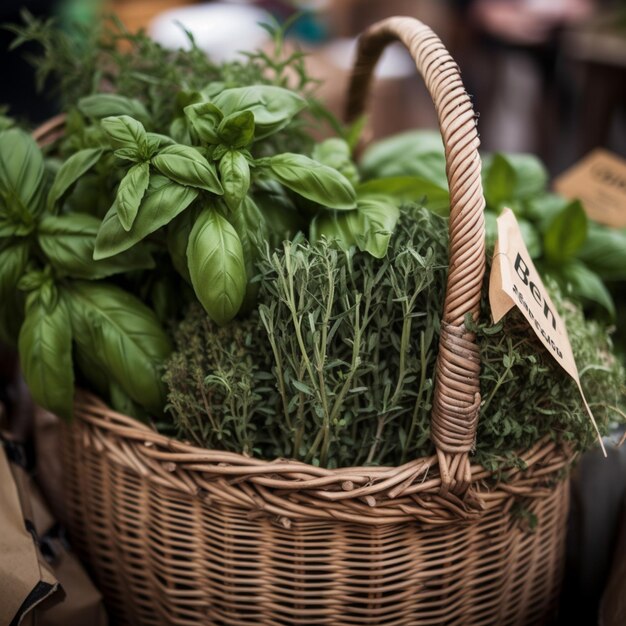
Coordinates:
(181, 535)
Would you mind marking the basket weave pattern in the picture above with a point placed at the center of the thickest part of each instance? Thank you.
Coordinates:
(186, 536)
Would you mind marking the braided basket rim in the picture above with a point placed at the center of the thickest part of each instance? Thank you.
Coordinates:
(289, 489)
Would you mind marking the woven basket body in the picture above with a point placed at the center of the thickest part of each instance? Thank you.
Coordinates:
(179, 535)
(172, 542)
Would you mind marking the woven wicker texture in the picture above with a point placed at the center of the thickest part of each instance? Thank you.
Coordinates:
(180, 535)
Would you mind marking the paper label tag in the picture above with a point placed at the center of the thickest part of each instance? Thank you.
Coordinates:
(514, 281)
(599, 181)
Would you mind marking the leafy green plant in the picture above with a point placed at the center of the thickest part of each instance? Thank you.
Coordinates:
(51, 296)
(336, 366)
(169, 175)
(584, 258)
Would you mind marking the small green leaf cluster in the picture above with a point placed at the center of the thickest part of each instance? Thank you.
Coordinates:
(206, 183)
(336, 367)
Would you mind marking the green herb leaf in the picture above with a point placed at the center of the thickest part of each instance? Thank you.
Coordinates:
(369, 227)
(565, 233)
(273, 107)
(235, 175)
(71, 170)
(45, 347)
(335, 153)
(581, 282)
(604, 252)
(237, 129)
(313, 180)
(251, 228)
(205, 119)
(163, 201)
(124, 336)
(125, 132)
(186, 166)
(21, 177)
(157, 142)
(130, 193)
(103, 105)
(531, 176)
(416, 153)
(531, 238)
(69, 240)
(407, 189)
(498, 182)
(543, 208)
(178, 232)
(13, 262)
(216, 266)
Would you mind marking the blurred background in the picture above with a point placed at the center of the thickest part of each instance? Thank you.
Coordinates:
(547, 76)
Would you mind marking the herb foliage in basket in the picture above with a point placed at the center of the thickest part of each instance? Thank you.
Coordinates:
(336, 368)
(165, 187)
(185, 185)
(586, 259)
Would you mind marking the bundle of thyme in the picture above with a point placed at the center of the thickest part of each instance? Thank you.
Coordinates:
(336, 367)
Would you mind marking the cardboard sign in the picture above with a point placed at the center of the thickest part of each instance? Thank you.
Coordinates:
(599, 181)
(514, 281)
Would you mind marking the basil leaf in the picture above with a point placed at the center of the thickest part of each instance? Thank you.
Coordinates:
(77, 165)
(185, 165)
(237, 129)
(216, 266)
(163, 201)
(69, 240)
(580, 282)
(13, 262)
(335, 153)
(125, 132)
(45, 348)
(416, 153)
(21, 177)
(531, 238)
(129, 154)
(282, 218)
(124, 336)
(407, 189)
(604, 252)
(251, 228)
(205, 119)
(543, 209)
(157, 142)
(531, 176)
(102, 105)
(180, 130)
(235, 175)
(313, 180)
(565, 233)
(273, 107)
(498, 182)
(369, 227)
(130, 193)
(90, 369)
(178, 232)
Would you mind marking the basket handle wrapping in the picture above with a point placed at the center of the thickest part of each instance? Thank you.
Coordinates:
(456, 395)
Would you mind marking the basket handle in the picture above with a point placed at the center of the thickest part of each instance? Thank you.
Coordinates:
(456, 395)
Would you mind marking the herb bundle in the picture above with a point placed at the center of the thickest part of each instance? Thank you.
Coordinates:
(336, 368)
